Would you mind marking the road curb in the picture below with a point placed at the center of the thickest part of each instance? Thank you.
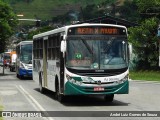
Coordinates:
(144, 81)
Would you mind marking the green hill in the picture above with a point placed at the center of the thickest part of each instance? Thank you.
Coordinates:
(47, 9)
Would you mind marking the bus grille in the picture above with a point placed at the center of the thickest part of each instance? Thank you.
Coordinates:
(98, 74)
(96, 83)
(105, 90)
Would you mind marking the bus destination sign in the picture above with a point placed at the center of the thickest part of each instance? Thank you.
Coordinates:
(97, 30)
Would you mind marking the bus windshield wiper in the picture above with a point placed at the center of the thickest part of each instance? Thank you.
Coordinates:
(87, 46)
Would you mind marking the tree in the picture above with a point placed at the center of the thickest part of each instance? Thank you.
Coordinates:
(129, 11)
(145, 41)
(149, 8)
(144, 5)
(7, 23)
(144, 37)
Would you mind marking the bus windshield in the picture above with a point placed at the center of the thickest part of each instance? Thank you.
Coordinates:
(26, 53)
(101, 53)
(7, 56)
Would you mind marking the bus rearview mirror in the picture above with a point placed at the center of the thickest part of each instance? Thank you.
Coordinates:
(63, 46)
(130, 50)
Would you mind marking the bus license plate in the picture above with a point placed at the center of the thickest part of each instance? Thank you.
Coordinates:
(98, 89)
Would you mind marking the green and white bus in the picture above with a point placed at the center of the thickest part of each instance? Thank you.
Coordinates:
(82, 59)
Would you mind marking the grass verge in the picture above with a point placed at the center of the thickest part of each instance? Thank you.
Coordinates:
(145, 75)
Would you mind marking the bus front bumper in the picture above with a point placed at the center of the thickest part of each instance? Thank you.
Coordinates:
(25, 73)
(72, 89)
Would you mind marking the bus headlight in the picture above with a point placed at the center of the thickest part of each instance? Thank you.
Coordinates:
(78, 82)
(73, 80)
(123, 80)
(68, 77)
(22, 65)
(87, 79)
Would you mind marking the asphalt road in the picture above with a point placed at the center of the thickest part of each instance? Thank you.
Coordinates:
(24, 95)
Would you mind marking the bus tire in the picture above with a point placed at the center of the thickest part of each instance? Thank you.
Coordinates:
(11, 69)
(109, 98)
(59, 96)
(17, 75)
(21, 77)
(42, 90)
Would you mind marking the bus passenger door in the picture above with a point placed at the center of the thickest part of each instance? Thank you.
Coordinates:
(45, 62)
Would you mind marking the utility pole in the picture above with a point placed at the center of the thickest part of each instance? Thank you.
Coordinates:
(3, 68)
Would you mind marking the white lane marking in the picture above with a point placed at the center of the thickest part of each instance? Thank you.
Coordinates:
(33, 102)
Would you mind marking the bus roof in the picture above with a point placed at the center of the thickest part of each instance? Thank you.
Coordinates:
(65, 28)
(25, 42)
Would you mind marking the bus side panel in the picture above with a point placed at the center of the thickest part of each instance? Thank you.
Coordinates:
(51, 73)
(45, 66)
(61, 72)
(37, 68)
(17, 59)
(17, 65)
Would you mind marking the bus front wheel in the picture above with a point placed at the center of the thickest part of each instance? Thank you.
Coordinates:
(109, 98)
(42, 90)
(58, 96)
(17, 75)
